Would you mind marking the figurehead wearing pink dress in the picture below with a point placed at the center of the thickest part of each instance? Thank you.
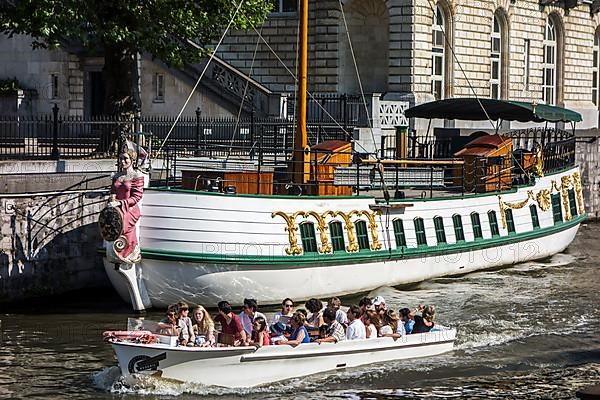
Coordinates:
(126, 192)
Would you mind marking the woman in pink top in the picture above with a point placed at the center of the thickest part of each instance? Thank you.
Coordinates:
(127, 189)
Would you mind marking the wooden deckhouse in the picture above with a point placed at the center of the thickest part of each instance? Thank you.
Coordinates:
(487, 163)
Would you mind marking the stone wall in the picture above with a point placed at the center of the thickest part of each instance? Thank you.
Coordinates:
(48, 244)
(588, 159)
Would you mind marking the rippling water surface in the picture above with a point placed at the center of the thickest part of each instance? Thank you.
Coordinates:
(529, 331)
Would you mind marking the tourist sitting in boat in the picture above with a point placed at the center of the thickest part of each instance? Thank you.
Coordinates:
(186, 332)
(372, 323)
(249, 314)
(230, 324)
(335, 303)
(379, 306)
(203, 326)
(356, 328)
(260, 335)
(391, 327)
(334, 331)
(278, 330)
(299, 333)
(315, 307)
(407, 318)
(424, 322)
(168, 325)
(283, 316)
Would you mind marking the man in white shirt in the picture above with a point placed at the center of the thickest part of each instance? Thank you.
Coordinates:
(356, 328)
(249, 314)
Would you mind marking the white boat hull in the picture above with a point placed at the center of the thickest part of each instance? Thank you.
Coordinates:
(247, 367)
(207, 248)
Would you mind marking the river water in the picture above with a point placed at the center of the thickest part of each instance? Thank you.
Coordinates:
(528, 331)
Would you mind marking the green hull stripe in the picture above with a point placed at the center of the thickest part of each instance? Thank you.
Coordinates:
(363, 255)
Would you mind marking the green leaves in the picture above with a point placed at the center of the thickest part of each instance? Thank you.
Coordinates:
(159, 27)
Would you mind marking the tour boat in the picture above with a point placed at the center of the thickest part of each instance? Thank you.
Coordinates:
(248, 366)
(232, 230)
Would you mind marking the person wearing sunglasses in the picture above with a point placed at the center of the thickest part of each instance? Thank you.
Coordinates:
(284, 316)
(169, 325)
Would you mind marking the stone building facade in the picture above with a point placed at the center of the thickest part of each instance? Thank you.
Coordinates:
(73, 81)
(419, 50)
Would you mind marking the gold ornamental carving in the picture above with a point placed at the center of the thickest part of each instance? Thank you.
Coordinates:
(538, 167)
(291, 229)
(325, 245)
(565, 182)
(578, 191)
(544, 200)
(352, 243)
(375, 244)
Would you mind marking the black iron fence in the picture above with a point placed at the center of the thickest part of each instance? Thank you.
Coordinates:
(57, 136)
(335, 109)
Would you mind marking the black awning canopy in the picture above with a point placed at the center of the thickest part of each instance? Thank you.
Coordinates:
(508, 110)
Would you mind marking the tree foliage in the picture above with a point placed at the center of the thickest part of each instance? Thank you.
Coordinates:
(121, 28)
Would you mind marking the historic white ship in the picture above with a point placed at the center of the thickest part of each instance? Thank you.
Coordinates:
(236, 230)
(206, 246)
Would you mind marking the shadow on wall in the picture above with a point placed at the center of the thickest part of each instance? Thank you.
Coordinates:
(61, 262)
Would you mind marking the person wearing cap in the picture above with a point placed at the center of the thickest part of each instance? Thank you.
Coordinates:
(184, 322)
(379, 305)
(231, 324)
(277, 332)
(249, 314)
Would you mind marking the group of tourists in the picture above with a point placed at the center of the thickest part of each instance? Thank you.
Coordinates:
(317, 322)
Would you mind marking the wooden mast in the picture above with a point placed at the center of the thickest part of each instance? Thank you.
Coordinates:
(300, 160)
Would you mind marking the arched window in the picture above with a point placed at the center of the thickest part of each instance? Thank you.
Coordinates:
(438, 56)
(308, 236)
(440, 232)
(499, 55)
(420, 232)
(361, 235)
(458, 228)
(493, 223)
(476, 222)
(496, 59)
(337, 236)
(549, 63)
(399, 233)
(595, 69)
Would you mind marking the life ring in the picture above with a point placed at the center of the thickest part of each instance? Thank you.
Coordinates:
(130, 336)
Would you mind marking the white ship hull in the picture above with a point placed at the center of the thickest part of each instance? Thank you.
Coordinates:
(204, 248)
(248, 367)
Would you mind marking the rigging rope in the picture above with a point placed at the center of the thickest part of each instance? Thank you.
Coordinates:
(447, 41)
(201, 75)
(293, 75)
(362, 93)
(237, 121)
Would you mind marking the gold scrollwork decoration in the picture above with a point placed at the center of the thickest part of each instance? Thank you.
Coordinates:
(543, 199)
(291, 229)
(538, 167)
(352, 243)
(565, 182)
(578, 192)
(375, 245)
(325, 245)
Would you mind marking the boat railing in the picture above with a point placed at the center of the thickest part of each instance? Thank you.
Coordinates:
(345, 174)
